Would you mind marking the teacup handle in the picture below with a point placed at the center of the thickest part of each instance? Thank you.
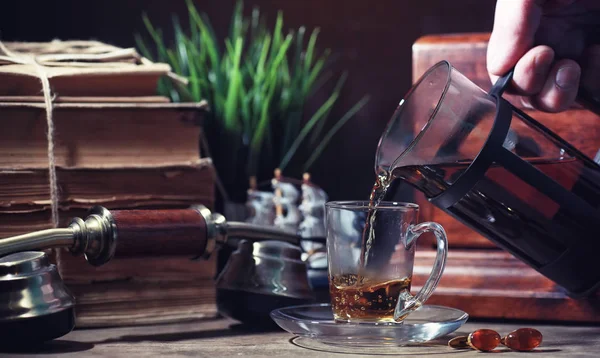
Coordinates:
(411, 302)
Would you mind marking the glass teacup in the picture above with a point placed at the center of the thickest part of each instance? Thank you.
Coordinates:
(373, 285)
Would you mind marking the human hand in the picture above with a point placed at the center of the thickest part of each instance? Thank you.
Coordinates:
(554, 46)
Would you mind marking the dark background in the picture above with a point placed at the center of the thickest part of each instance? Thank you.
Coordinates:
(372, 40)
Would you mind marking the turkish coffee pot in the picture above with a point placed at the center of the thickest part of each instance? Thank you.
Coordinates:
(36, 306)
(500, 172)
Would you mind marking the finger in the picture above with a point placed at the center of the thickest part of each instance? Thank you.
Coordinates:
(515, 24)
(560, 89)
(526, 102)
(532, 70)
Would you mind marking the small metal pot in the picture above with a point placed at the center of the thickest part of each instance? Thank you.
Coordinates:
(260, 277)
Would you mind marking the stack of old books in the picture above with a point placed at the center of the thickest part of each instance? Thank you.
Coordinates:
(116, 144)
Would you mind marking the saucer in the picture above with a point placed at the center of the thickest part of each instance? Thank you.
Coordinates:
(315, 321)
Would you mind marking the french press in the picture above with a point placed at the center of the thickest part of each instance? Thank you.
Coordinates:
(500, 172)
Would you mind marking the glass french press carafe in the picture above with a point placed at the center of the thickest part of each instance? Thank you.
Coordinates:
(500, 172)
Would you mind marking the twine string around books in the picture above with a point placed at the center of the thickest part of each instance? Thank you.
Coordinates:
(7, 55)
(44, 56)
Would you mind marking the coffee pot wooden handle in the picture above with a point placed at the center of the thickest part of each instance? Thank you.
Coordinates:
(103, 234)
(159, 232)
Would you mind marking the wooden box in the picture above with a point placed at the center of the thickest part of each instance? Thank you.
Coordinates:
(480, 278)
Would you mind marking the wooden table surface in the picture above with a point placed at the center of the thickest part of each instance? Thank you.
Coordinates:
(224, 338)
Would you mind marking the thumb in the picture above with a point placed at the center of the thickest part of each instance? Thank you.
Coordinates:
(515, 24)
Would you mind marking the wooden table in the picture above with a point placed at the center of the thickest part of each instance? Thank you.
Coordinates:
(224, 338)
